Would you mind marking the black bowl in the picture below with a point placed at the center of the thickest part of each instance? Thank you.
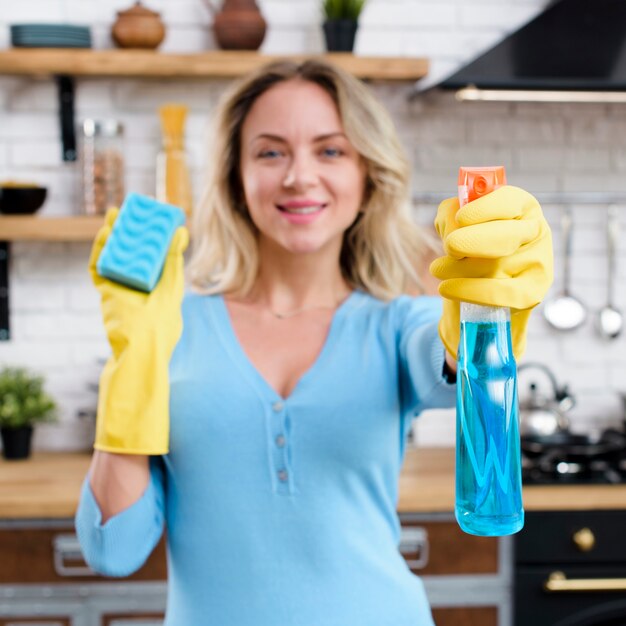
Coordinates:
(21, 200)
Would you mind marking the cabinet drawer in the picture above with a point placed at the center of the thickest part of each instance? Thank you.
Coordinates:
(576, 537)
(36, 555)
(435, 547)
(474, 616)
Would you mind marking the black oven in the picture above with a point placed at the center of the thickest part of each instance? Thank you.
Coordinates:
(570, 569)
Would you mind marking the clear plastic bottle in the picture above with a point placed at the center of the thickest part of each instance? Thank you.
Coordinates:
(488, 452)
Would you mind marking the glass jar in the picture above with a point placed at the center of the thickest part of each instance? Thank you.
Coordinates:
(102, 165)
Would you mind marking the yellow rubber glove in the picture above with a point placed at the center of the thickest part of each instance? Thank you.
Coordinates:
(498, 253)
(143, 329)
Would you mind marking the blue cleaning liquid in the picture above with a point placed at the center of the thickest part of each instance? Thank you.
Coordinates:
(488, 459)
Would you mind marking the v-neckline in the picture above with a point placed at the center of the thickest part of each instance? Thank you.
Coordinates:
(240, 357)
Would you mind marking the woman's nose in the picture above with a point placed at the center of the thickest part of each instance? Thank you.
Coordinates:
(301, 172)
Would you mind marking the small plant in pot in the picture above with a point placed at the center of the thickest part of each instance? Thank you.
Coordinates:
(341, 23)
(23, 403)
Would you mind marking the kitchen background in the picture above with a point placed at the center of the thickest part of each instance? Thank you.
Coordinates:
(547, 148)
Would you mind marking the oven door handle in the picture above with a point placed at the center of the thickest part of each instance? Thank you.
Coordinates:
(558, 583)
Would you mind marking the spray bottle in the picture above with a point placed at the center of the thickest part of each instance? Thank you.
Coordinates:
(488, 456)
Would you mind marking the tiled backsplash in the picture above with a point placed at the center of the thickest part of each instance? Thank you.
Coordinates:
(546, 148)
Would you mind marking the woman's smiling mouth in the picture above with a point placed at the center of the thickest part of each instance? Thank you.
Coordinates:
(306, 206)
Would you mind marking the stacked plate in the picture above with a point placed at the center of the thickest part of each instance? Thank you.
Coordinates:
(50, 36)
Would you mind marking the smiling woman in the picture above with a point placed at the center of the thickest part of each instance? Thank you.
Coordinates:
(299, 368)
(293, 371)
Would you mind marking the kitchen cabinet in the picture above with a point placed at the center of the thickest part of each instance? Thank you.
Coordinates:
(467, 578)
(569, 568)
(44, 581)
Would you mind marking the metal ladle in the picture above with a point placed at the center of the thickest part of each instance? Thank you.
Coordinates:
(610, 320)
(565, 312)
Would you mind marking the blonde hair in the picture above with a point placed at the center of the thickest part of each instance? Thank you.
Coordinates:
(381, 249)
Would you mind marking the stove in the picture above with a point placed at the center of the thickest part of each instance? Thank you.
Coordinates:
(569, 565)
(567, 458)
(552, 471)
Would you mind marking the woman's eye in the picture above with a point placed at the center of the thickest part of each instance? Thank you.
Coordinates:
(332, 152)
(269, 154)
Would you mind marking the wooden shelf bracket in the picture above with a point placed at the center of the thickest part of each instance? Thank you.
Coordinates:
(65, 87)
(5, 248)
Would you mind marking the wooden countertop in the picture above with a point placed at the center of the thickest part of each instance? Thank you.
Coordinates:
(47, 486)
(427, 485)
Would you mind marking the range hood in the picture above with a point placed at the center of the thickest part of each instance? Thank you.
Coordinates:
(575, 50)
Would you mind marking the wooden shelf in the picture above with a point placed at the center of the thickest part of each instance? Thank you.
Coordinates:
(214, 64)
(31, 228)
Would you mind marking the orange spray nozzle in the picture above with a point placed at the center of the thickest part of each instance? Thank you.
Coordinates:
(475, 182)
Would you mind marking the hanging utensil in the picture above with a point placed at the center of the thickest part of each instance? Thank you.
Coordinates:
(610, 321)
(564, 311)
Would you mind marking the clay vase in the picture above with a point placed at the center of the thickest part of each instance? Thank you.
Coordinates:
(239, 25)
(138, 27)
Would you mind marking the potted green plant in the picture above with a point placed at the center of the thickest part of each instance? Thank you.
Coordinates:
(23, 403)
(341, 20)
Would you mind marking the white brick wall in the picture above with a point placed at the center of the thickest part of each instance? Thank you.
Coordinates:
(55, 318)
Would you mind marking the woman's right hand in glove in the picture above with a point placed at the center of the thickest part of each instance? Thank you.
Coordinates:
(142, 329)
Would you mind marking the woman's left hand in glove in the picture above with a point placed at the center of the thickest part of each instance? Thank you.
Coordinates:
(498, 253)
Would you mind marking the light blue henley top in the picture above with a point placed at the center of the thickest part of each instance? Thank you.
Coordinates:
(282, 511)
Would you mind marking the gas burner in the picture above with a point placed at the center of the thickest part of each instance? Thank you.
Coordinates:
(574, 459)
(573, 473)
(563, 467)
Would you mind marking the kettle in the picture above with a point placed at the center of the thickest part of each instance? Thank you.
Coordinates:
(542, 416)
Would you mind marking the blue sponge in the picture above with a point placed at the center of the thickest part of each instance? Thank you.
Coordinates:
(135, 252)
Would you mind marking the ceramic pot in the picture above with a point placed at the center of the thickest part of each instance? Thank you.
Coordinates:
(16, 442)
(340, 35)
(138, 27)
(239, 25)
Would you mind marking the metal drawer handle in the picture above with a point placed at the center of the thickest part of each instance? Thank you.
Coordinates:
(37, 623)
(414, 539)
(135, 622)
(67, 548)
(558, 582)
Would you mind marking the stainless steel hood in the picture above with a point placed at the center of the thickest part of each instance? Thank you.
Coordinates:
(575, 50)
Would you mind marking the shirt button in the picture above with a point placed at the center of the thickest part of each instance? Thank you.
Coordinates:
(282, 475)
(277, 406)
(280, 441)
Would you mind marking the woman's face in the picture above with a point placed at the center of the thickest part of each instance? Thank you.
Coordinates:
(303, 180)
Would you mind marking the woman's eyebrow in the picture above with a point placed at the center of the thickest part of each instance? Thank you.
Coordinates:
(273, 137)
(329, 135)
(268, 136)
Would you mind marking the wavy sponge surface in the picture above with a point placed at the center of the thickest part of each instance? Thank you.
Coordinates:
(135, 252)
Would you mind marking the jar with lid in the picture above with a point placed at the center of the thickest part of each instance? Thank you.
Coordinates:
(102, 165)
